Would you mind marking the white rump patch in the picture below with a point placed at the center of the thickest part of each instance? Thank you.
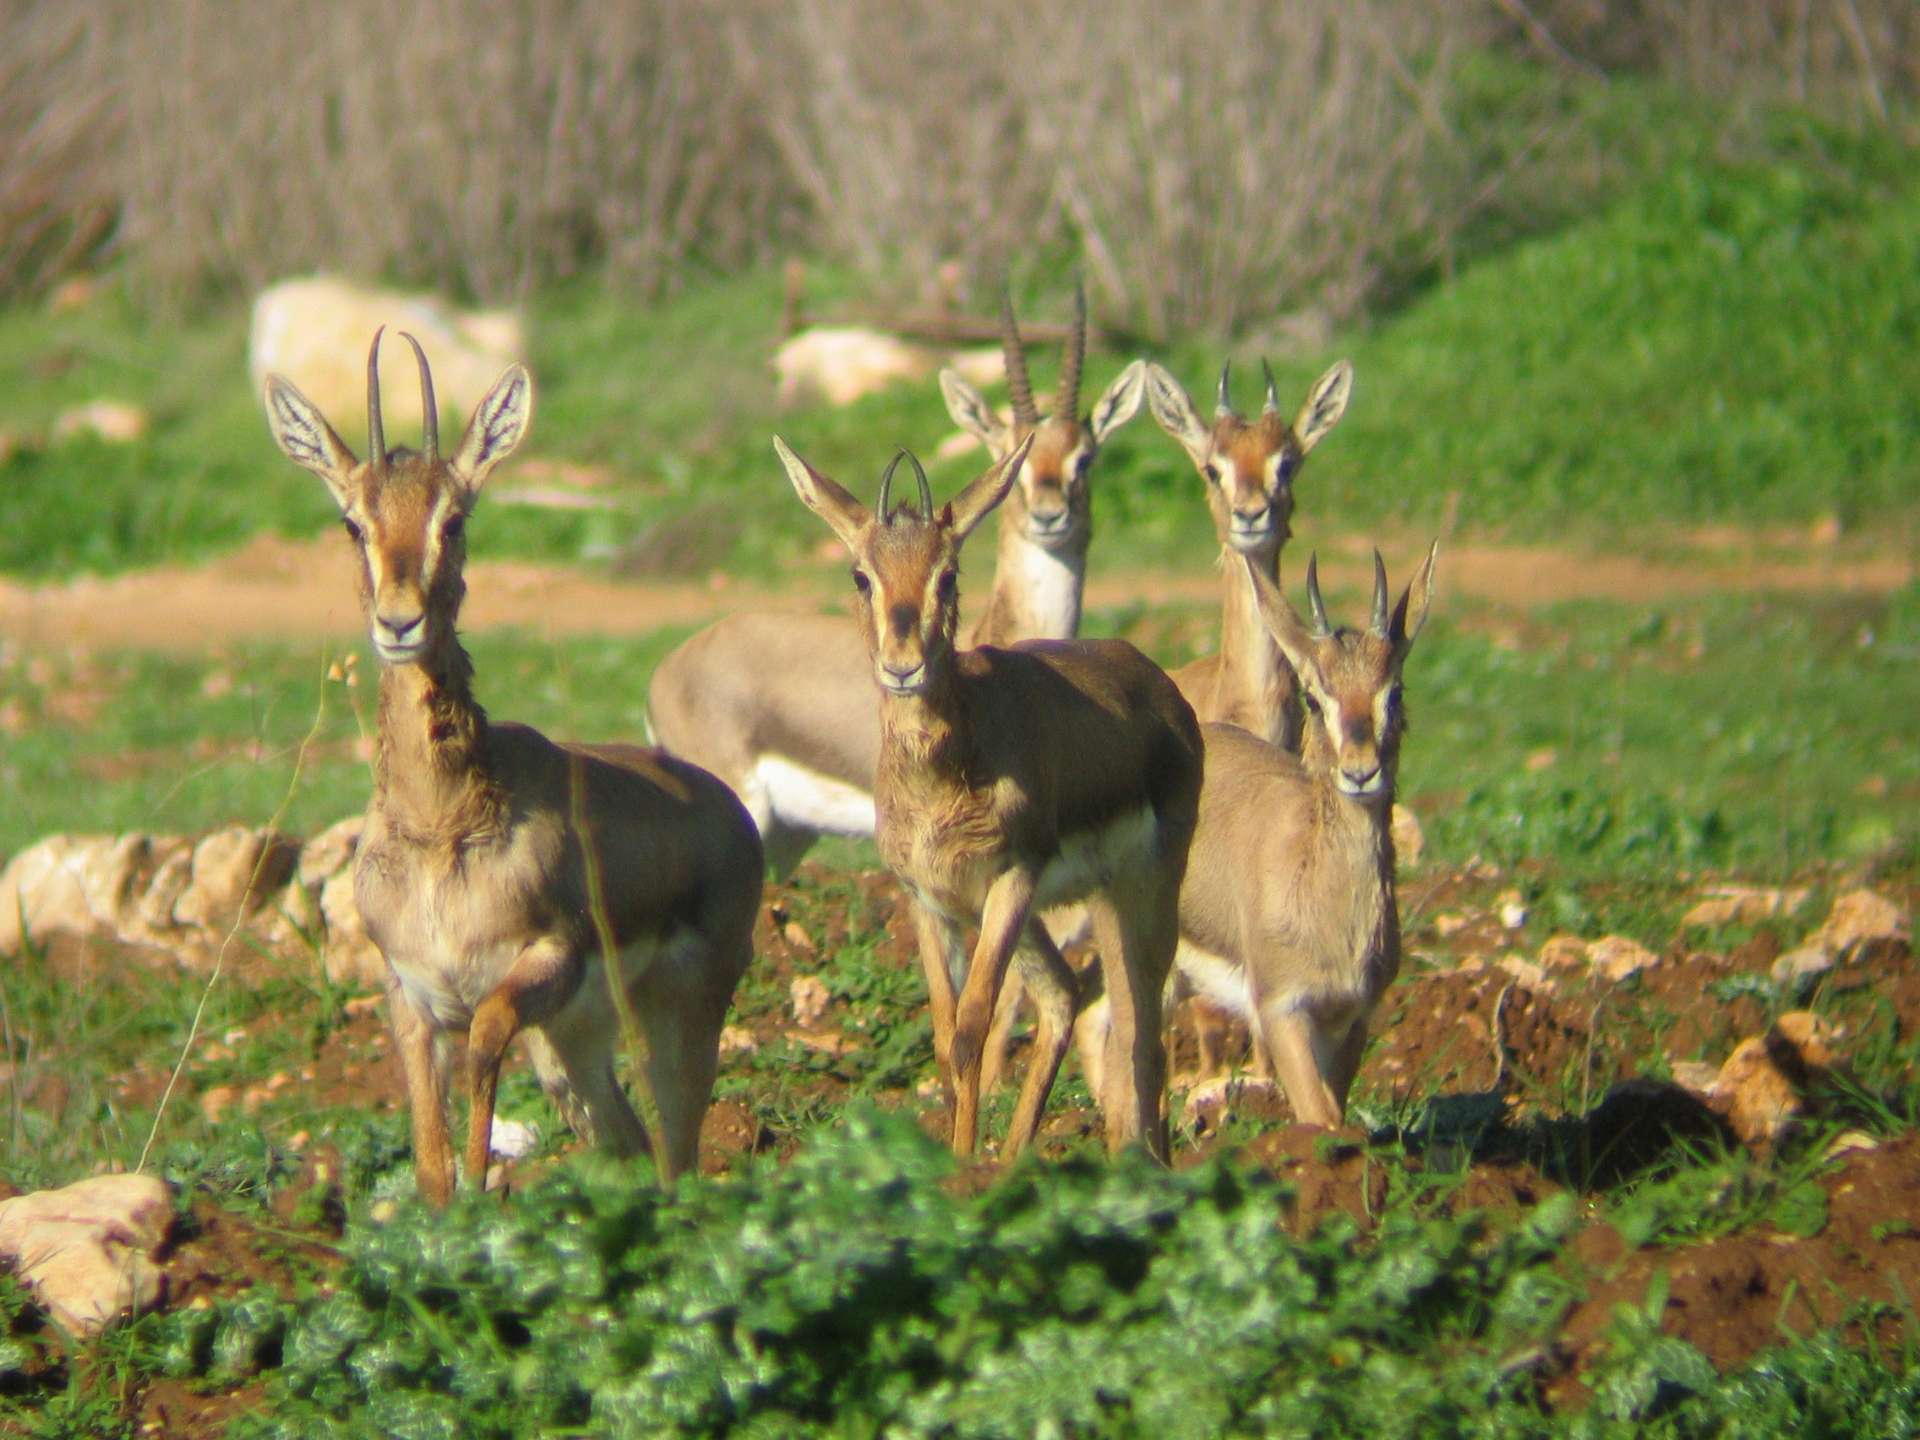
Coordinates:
(1090, 859)
(804, 799)
(1216, 979)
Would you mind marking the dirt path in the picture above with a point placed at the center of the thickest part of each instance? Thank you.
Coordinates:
(275, 588)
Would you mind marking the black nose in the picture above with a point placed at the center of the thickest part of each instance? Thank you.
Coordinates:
(401, 628)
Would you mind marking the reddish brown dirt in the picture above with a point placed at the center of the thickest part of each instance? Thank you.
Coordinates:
(274, 587)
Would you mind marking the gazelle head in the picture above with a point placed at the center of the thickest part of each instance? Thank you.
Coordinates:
(1051, 504)
(906, 561)
(405, 510)
(1249, 465)
(1351, 678)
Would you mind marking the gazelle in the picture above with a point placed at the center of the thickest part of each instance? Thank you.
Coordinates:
(1249, 467)
(492, 858)
(1287, 914)
(1014, 779)
(776, 705)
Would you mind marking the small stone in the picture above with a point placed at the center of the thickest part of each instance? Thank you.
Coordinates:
(1513, 910)
(796, 935)
(382, 1212)
(513, 1139)
(1742, 905)
(216, 1100)
(1526, 973)
(87, 1250)
(1563, 952)
(737, 1040)
(1616, 957)
(1798, 964)
(114, 421)
(1695, 1075)
(1543, 759)
(810, 998)
(1862, 918)
(1449, 924)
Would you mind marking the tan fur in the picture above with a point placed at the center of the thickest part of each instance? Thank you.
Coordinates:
(1249, 467)
(478, 858)
(757, 688)
(1010, 780)
(1288, 914)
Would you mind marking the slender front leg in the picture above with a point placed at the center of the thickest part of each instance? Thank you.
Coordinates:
(940, 956)
(1002, 919)
(417, 1041)
(1051, 983)
(542, 979)
(1289, 1033)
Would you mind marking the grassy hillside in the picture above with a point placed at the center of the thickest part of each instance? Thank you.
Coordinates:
(1728, 339)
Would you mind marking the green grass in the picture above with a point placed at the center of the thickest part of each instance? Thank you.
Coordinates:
(1722, 331)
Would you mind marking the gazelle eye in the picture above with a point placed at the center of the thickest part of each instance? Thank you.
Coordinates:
(949, 585)
(454, 528)
(353, 530)
(1212, 472)
(861, 583)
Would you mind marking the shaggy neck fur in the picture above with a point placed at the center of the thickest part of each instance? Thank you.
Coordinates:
(430, 771)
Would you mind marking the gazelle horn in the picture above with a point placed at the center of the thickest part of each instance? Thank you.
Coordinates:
(1019, 387)
(376, 432)
(1272, 407)
(1076, 352)
(429, 411)
(1316, 607)
(1224, 405)
(886, 486)
(926, 490)
(1378, 623)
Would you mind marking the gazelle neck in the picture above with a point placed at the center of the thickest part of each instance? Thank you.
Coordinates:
(1258, 682)
(1036, 590)
(430, 769)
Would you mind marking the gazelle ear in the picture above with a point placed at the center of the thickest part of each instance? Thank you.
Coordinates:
(1173, 408)
(830, 501)
(976, 502)
(1410, 615)
(1326, 403)
(1121, 400)
(498, 426)
(971, 413)
(1283, 623)
(306, 438)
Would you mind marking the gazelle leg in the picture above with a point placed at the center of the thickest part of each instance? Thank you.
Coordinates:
(942, 960)
(1136, 928)
(1346, 1064)
(1003, 920)
(422, 1050)
(542, 979)
(1051, 983)
(993, 1059)
(1290, 1040)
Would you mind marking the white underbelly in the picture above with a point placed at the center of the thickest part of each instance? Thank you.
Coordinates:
(1215, 978)
(1089, 860)
(803, 799)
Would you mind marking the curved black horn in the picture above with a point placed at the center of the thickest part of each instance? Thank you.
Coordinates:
(1014, 356)
(926, 490)
(376, 432)
(1378, 622)
(1316, 607)
(1224, 405)
(429, 411)
(1272, 407)
(886, 485)
(1068, 404)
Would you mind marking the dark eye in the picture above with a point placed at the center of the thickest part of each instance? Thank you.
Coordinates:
(861, 583)
(1212, 472)
(949, 585)
(454, 529)
(353, 530)
(1283, 472)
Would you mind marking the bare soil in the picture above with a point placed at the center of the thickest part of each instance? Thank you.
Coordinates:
(275, 588)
